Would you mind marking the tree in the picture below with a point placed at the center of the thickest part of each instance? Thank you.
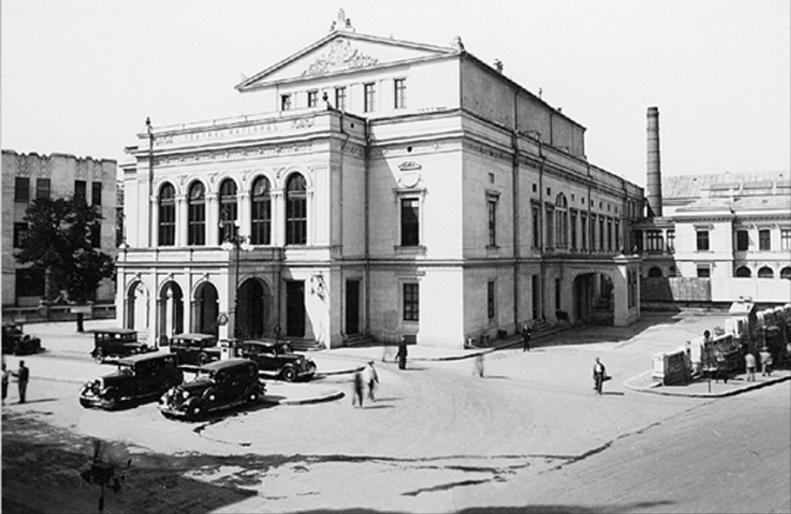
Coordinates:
(59, 243)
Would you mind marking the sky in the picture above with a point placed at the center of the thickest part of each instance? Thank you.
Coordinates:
(81, 76)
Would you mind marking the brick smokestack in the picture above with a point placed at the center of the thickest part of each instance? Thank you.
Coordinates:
(653, 169)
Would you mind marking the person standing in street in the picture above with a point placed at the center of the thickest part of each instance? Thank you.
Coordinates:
(599, 372)
(478, 369)
(22, 376)
(766, 362)
(5, 382)
(526, 333)
(749, 365)
(370, 378)
(401, 355)
(357, 392)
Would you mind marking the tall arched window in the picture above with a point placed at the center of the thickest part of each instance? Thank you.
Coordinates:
(167, 215)
(766, 272)
(227, 209)
(296, 210)
(743, 272)
(196, 215)
(562, 222)
(261, 215)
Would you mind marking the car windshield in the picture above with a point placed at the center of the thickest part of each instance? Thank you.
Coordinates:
(203, 373)
(285, 348)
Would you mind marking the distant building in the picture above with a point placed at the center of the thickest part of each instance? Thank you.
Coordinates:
(731, 230)
(27, 177)
(394, 189)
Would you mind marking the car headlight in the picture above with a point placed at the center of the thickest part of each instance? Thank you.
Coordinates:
(185, 394)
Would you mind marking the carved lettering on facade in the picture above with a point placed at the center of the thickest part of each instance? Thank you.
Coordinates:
(340, 56)
(302, 123)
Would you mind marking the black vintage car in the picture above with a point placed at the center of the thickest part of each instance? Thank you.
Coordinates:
(217, 386)
(14, 341)
(116, 342)
(277, 359)
(139, 378)
(195, 348)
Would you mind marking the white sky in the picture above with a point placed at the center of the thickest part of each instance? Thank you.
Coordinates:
(80, 76)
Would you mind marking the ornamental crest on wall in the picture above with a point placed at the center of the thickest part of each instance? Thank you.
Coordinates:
(340, 55)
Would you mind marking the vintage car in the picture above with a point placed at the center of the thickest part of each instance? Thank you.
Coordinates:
(277, 359)
(138, 378)
(195, 348)
(116, 342)
(14, 341)
(217, 386)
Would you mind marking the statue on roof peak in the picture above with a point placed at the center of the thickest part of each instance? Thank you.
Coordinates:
(342, 22)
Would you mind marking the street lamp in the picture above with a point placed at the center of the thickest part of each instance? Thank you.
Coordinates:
(232, 240)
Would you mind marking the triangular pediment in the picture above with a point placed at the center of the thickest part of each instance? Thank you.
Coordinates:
(343, 51)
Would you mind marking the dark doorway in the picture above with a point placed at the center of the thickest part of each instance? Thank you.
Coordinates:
(536, 296)
(352, 306)
(253, 310)
(206, 309)
(295, 308)
(583, 297)
(171, 314)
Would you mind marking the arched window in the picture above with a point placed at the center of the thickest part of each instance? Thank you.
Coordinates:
(261, 215)
(296, 210)
(786, 273)
(562, 226)
(167, 215)
(743, 272)
(655, 272)
(227, 209)
(196, 215)
(766, 272)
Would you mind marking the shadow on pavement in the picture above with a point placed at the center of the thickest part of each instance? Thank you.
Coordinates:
(527, 509)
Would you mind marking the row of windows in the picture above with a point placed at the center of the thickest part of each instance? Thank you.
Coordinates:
(43, 187)
(21, 233)
(763, 272)
(562, 227)
(369, 97)
(764, 240)
(260, 212)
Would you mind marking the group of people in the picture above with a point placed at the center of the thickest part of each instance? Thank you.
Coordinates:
(22, 376)
(766, 364)
(367, 378)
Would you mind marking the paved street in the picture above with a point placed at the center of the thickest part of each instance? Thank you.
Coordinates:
(530, 436)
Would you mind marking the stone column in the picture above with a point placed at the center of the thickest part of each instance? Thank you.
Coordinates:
(181, 220)
(243, 213)
(278, 218)
(212, 220)
(154, 221)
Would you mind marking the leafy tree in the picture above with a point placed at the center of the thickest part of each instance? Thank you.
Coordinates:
(59, 243)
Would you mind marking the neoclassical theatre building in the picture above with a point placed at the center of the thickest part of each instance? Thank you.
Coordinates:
(391, 190)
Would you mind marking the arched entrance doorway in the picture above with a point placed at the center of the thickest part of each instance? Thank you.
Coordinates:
(205, 309)
(137, 307)
(171, 311)
(593, 299)
(254, 302)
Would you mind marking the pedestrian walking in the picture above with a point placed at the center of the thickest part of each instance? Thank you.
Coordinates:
(6, 373)
(749, 365)
(599, 375)
(22, 376)
(401, 355)
(357, 392)
(478, 369)
(766, 362)
(370, 378)
(526, 333)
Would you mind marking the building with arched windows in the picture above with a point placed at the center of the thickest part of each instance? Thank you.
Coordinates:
(393, 190)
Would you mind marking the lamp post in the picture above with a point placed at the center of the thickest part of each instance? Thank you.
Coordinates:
(232, 240)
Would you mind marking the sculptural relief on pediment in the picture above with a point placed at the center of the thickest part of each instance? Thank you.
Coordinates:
(340, 55)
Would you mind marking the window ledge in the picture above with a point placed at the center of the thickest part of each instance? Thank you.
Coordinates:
(410, 250)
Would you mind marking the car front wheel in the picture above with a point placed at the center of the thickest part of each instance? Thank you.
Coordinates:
(98, 356)
(289, 374)
(254, 394)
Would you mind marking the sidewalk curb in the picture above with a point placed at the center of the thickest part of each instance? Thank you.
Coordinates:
(658, 390)
(337, 395)
(339, 372)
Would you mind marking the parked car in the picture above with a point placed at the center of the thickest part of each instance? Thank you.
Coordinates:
(14, 341)
(138, 378)
(116, 342)
(278, 359)
(195, 348)
(217, 386)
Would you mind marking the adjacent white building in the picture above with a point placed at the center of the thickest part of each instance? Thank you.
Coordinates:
(392, 189)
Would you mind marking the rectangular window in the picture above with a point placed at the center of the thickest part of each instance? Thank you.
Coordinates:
(79, 190)
(340, 98)
(637, 241)
(702, 237)
(573, 220)
(557, 294)
(671, 240)
(785, 239)
(21, 189)
(764, 239)
(20, 234)
(618, 236)
(96, 235)
(399, 101)
(490, 299)
(601, 233)
(411, 302)
(96, 193)
(492, 222)
(313, 98)
(550, 234)
(285, 102)
(742, 240)
(592, 232)
(370, 96)
(196, 226)
(536, 228)
(653, 241)
(704, 271)
(410, 224)
(29, 282)
(609, 234)
(42, 188)
(583, 231)
(167, 223)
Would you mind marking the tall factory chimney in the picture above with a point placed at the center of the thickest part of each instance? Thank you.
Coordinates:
(653, 169)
